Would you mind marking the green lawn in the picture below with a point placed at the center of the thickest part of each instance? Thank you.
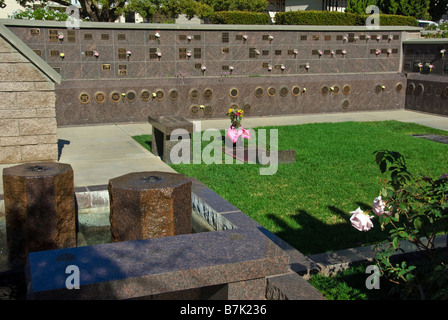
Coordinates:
(308, 203)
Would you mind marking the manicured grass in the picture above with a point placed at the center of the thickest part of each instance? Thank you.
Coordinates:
(350, 284)
(308, 203)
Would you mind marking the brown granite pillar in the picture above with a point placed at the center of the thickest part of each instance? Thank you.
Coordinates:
(149, 205)
(40, 209)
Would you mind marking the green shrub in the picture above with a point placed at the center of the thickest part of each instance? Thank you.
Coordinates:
(334, 18)
(240, 17)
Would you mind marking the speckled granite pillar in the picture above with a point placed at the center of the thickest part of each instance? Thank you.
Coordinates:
(149, 205)
(40, 209)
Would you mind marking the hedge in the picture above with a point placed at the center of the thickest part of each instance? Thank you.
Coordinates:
(240, 17)
(335, 18)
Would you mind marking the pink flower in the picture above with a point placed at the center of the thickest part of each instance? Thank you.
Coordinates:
(360, 220)
(234, 134)
(378, 207)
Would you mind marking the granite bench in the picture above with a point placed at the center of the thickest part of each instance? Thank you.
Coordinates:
(162, 127)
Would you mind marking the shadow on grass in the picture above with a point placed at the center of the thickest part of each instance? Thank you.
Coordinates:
(312, 236)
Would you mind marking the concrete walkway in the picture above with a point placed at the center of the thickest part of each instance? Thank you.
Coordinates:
(99, 153)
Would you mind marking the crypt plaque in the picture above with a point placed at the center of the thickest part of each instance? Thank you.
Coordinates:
(100, 97)
(145, 95)
(84, 98)
(295, 91)
(115, 96)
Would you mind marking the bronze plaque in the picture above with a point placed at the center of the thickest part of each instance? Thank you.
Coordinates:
(53, 35)
(411, 88)
(84, 98)
(71, 35)
(194, 94)
(88, 53)
(182, 53)
(182, 37)
(252, 53)
(194, 110)
(445, 92)
(295, 91)
(271, 92)
(345, 104)
(239, 37)
(278, 52)
(234, 92)
(121, 36)
(225, 50)
(100, 97)
(259, 92)
(208, 110)
(38, 52)
(174, 94)
(283, 91)
(160, 95)
(316, 37)
(246, 108)
(122, 54)
(131, 96)
(327, 38)
(303, 38)
(197, 37)
(346, 89)
(54, 53)
(265, 52)
(145, 95)
(225, 37)
(105, 67)
(336, 90)
(197, 53)
(197, 66)
(115, 96)
(378, 88)
(324, 90)
(104, 36)
(35, 32)
(208, 93)
(122, 72)
(88, 36)
(153, 53)
(152, 37)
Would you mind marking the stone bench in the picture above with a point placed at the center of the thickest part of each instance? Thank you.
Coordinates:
(228, 264)
(162, 127)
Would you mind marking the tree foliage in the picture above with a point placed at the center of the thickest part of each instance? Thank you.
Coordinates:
(110, 10)
(420, 9)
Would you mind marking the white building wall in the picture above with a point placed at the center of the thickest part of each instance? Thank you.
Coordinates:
(294, 5)
(11, 5)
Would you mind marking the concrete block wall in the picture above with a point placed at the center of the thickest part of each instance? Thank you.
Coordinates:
(27, 109)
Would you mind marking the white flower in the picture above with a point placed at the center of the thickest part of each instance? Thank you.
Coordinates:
(360, 220)
(157, 35)
(379, 206)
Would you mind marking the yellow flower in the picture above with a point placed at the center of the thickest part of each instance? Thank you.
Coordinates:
(230, 110)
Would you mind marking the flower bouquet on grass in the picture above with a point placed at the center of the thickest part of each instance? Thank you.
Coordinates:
(236, 130)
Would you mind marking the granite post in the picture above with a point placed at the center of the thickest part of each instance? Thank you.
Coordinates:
(149, 205)
(39, 208)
